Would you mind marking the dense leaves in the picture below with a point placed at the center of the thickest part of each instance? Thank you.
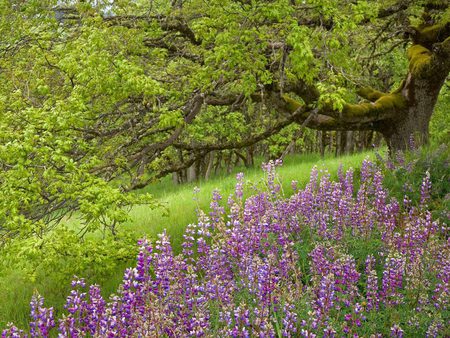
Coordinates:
(94, 92)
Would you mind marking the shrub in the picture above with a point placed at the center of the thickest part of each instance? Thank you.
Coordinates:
(404, 174)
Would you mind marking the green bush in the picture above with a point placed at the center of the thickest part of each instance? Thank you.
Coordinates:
(48, 266)
(404, 174)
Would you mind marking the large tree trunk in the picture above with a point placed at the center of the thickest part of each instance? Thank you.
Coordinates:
(421, 94)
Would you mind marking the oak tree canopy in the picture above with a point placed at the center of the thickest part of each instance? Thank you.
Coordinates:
(98, 98)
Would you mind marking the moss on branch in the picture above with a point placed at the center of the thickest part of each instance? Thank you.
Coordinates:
(292, 105)
(384, 103)
(370, 93)
(419, 57)
(428, 35)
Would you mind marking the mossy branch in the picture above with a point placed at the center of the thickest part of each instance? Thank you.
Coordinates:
(429, 35)
(291, 104)
(419, 58)
(370, 94)
(385, 105)
(353, 116)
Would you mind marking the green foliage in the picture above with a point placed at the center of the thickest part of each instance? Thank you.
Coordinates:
(440, 121)
(332, 96)
(62, 254)
(117, 86)
(48, 166)
(215, 127)
(48, 265)
(404, 175)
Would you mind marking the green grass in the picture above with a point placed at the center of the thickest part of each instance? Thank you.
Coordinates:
(179, 200)
(180, 210)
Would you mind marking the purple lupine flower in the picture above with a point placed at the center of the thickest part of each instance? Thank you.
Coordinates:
(13, 332)
(367, 168)
(95, 310)
(396, 331)
(329, 332)
(372, 284)
(425, 189)
(270, 169)
(441, 292)
(392, 282)
(217, 211)
(239, 190)
(289, 321)
(42, 320)
(324, 299)
(435, 328)
(75, 323)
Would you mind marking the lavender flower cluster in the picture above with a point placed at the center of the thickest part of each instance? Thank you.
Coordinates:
(326, 262)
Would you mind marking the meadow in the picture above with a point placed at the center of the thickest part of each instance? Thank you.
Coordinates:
(179, 209)
(333, 255)
(104, 105)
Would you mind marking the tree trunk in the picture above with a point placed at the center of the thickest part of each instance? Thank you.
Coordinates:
(250, 160)
(210, 165)
(175, 178)
(330, 144)
(218, 163)
(421, 94)
(321, 143)
(349, 143)
(191, 173)
(338, 143)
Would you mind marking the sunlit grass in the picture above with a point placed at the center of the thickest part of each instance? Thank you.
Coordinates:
(181, 207)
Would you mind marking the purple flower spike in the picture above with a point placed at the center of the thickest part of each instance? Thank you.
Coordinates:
(42, 320)
(303, 266)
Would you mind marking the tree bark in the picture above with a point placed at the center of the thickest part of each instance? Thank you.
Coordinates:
(191, 173)
(210, 165)
(421, 93)
(349, 143)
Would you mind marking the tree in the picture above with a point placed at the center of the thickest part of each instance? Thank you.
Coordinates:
(99, 98)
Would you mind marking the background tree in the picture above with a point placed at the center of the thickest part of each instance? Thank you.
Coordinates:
(99, 98)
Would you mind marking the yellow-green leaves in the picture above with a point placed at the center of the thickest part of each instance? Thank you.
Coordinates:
(332, 96)
(170, 119)
(302, 58)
